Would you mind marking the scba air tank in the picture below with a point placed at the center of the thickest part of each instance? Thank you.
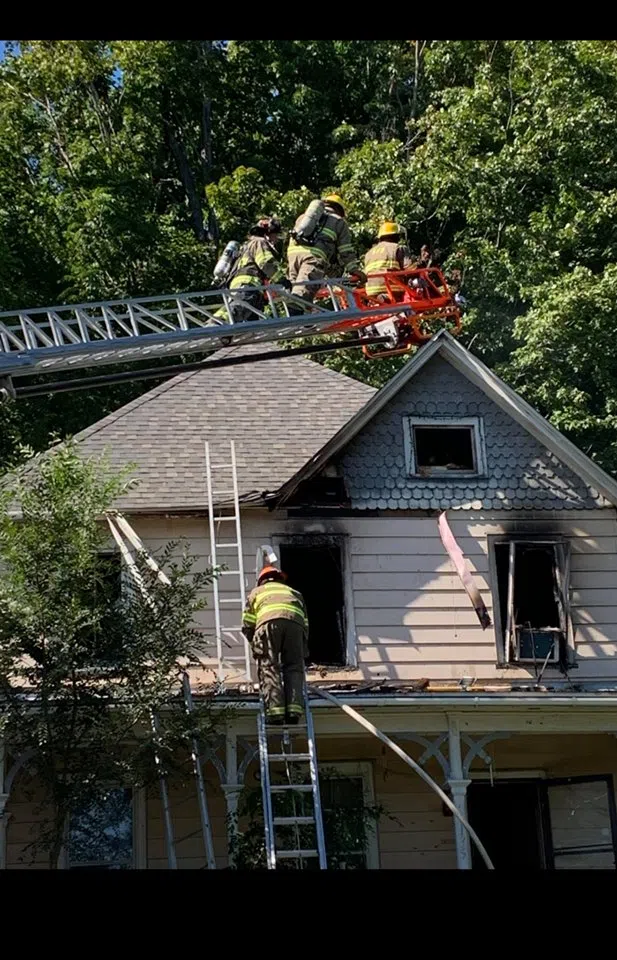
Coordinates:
(226, 260)
(310, 221)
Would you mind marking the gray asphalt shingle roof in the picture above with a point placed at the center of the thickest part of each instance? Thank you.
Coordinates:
(279, 412)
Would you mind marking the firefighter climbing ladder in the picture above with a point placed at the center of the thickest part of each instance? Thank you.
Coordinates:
(289, 759)
(286, 760)
(222, 498)
(226, 547)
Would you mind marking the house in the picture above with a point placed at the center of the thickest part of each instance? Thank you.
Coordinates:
(517, 721)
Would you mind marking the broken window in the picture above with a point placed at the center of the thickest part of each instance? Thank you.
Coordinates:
(327, 489)
(533, 589)
(316, 570)
(101, 833)
(582, 817)
(444, 447)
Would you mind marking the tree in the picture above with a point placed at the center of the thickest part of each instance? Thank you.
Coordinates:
(83, 669)
(347, 826)
(121, 160)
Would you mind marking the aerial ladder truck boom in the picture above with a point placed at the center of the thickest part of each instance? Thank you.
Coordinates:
(76, 337)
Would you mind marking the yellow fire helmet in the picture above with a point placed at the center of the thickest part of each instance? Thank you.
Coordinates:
(334, 198)
(389, 229)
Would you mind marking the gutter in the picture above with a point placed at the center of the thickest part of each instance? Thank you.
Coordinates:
(456, 701)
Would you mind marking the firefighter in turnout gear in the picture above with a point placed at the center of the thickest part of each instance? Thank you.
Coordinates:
(275, 623)
(257, 263)
(386, 255)
(324, 242)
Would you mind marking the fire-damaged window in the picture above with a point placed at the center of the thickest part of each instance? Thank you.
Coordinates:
(327, 489)
(315, 568)
(533, 592)
(444, 447)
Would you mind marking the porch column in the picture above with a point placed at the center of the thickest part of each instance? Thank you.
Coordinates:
(4, 816)
(4, 819)
(231, 788)
(458, 785)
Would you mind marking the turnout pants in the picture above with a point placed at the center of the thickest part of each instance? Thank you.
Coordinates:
(255, 298)
(302, 268)
(278, 646)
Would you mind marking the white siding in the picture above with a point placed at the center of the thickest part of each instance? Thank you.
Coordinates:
(413, 618)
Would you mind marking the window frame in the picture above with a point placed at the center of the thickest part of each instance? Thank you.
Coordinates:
(610, 845)
(544, 783)
(506, 649)
(474, 424)
(342, 541)
(139, 809)
(364, 770)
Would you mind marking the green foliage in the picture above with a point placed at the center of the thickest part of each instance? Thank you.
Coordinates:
(83, 666)
(125, 164)
(347, 827)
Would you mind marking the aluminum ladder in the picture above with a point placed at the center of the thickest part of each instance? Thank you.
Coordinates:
(226, 549)
(286, 757)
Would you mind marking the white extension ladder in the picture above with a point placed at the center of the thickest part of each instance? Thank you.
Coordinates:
(226, 550)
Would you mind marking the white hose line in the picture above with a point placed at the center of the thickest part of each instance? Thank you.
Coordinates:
(414, 766)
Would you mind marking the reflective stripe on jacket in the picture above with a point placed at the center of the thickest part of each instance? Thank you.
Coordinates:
(273, 601)
(256, 263)
(384, 257)
(332, 243)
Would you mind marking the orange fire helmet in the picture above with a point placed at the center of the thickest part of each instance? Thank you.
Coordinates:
(266, 571)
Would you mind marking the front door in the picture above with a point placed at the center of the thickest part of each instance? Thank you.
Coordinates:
(508, 819)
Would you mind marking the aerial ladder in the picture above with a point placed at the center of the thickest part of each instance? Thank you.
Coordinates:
(73, 338)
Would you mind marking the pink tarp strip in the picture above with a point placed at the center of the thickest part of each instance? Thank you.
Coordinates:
(462, 568)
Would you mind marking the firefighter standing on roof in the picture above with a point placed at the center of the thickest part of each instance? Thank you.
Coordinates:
(258, 261)
(387, 255)
(275, 623)
(320, 238)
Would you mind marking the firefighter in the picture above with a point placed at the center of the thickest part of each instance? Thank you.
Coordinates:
(325, 241)
(258, 261)
(386, 255)
(275, 623)
(429, 257)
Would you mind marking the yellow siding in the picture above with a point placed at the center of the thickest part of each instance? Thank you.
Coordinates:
(416, 834)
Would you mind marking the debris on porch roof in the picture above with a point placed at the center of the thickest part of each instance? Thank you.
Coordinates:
(401, 688)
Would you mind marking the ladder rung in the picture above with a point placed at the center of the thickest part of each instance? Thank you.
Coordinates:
(231, 600)
(233, 659)
(291, 727)
(226, 544)
(302, 787)
(290, 821)
(280, 757)
(228, 573)
(218, 519)
(295, 854)
(221, 466)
